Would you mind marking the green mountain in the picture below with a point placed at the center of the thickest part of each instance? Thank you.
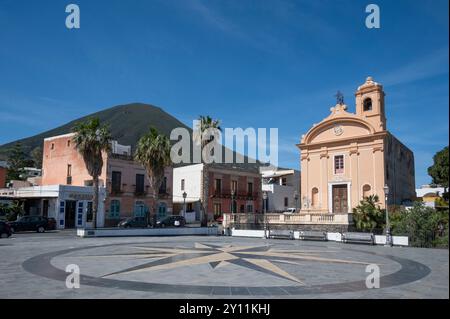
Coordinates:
(127, 124)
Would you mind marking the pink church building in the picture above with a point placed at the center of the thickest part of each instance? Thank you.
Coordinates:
(349, 156)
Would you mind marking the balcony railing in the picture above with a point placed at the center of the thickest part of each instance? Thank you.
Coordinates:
(140, 192)
(299, 218)
(242, 195)
(116, 190)
(164, 193)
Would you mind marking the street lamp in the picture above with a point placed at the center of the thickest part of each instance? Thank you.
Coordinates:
(233, 194)
(388, 227)
(296, 200)
(265, 213)
(184, 204)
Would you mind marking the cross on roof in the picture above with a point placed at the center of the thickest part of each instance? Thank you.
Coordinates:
(339, 98)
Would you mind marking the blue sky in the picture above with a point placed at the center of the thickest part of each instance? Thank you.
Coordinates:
(249, 63)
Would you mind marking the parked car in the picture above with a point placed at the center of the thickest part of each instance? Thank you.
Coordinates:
(33, 223)
(5, 230)
(51, 223)
(171, 221)
(133, 222)
(290, 211)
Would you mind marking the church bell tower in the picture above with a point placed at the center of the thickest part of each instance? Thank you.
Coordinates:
(370, 104)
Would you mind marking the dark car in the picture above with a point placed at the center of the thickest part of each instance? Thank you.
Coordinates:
(171, 221)
(33, 223)
(5, 230)
(133, 222)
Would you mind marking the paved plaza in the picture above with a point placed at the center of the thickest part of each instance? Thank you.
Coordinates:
(33, 266)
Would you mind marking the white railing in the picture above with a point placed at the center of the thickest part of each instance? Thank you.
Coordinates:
(299, 218)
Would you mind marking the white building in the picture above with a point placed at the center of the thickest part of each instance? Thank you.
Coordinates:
(216, 189)
(429, 194)
(282, 187)
(31, 172)
(70, 206)
(188, 179)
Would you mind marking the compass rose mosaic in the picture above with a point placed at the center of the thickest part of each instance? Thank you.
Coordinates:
(223, 268)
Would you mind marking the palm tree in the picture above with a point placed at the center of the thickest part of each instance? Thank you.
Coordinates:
(205, 123)
(153, 152)
(368, 215)
(91, 140)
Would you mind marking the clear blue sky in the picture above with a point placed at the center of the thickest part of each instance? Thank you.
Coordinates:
(250, 63)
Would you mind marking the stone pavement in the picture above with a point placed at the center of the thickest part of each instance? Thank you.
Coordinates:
(33, 266)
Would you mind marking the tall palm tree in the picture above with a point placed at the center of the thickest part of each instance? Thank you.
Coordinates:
(205, 123)
(91, 140)
(153, 152)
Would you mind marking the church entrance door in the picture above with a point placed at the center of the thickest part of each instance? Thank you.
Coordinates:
(340, 199)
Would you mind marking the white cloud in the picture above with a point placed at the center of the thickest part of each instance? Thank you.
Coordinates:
(424, 67)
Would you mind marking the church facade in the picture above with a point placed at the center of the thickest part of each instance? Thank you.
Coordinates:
(349, 156)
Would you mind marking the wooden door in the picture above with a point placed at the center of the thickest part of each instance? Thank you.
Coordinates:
(340, 199)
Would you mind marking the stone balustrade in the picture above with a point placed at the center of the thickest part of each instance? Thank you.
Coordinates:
(316, 218)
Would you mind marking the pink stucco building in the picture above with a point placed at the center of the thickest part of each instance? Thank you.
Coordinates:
(3, 173)
(127, 188)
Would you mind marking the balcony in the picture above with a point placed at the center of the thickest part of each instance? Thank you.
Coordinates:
(164, 192)
(238, 196)
(116, 190)
(139, 193)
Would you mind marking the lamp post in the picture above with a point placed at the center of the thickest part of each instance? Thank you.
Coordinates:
(388, 226)
(296, 200)
(233, 195)
(184, 204)
(265, 213)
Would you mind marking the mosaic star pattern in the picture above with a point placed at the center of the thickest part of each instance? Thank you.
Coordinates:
(263, 259)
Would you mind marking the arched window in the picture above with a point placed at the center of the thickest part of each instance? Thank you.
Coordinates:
(367, 104)
(366, 190)
(314, 197)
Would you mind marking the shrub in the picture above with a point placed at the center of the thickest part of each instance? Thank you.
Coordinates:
(368, 215)
(425, 226)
